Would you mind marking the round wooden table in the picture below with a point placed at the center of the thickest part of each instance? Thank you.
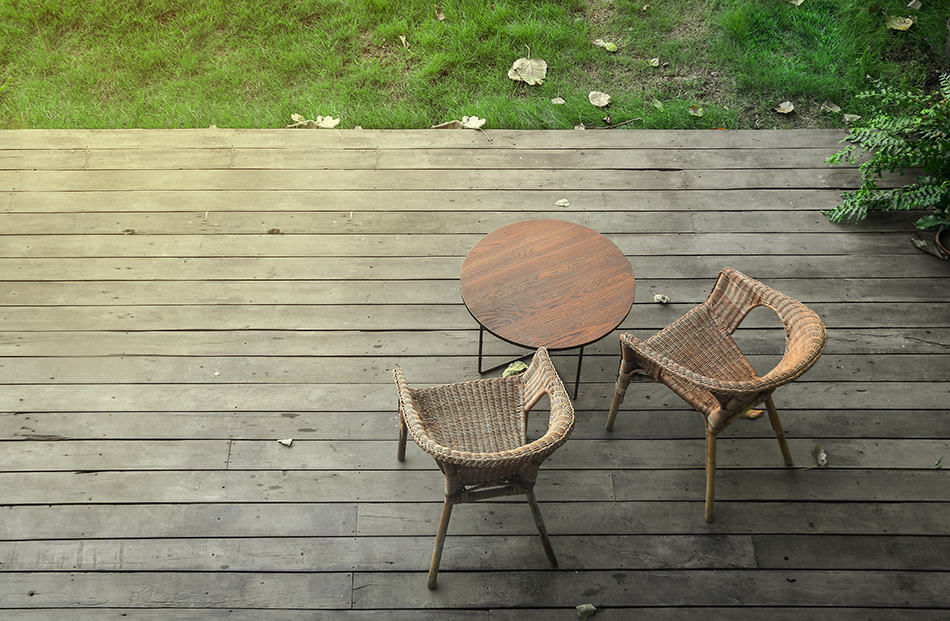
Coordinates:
(546, 283)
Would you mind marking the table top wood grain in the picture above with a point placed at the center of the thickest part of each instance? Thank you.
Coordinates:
(547, 283)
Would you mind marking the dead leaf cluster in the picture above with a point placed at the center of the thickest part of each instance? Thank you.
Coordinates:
(610, 46)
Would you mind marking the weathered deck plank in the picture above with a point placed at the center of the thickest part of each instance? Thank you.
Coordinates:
(174, 302)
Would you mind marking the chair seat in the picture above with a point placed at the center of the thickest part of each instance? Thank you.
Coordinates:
(484, 416)
(698, 342)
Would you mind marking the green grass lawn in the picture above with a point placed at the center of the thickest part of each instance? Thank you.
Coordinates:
(162, 63)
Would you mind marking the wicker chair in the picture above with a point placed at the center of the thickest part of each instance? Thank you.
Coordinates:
(696, 357)
(477, 433)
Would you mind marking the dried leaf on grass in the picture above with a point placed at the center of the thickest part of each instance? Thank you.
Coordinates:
(472, 122)
(579, 126)
(657, 104)
(598, 99)
(439, 15)
(453, 124)
(796, 2)
(695, 110)
(610, 46)
(405, 42)
(895, 22)
(786, 107)
(321, 122)
(557, 101)
(914, 5)
(851, 118)
(467, 122)
(654, 62)
(830, 107)
(530, 71)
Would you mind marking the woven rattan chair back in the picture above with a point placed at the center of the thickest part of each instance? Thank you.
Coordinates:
(477, 433)
(696, 357)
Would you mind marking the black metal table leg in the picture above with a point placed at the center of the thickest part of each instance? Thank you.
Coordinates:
(481, 335)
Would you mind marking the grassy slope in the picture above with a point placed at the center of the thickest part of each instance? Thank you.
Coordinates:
(252, 64)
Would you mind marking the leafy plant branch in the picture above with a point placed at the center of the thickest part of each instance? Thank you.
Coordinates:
(907, 131)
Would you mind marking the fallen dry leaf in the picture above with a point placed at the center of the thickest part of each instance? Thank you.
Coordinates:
(579, 126)
(796, 2)
(530, 71)
(659, 298)
(895, 22)
(286, 442)
(786, 107)
(557, 101)
(654, 62)
(405, 42)
(695, 110)
(321, 122)
(472, 122)
(439, 15)
(562, 202)
(327, 122)
(914, 5)
(657, 104)
(453, 124)
(851, 118)
(599, 42)
(598, 99)
(830, 107)
(585, 611)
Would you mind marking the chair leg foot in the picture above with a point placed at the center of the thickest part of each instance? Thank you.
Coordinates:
(614, 406)
(439, 542)
(779, 432)
(710, 474)
(542, 531)
(403, 432)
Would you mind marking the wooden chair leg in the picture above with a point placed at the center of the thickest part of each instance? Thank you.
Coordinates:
(439, 542)
(542, 531)
(618, 399)
(622, 383)
(403, 432)
(779, 432)
(710, 474)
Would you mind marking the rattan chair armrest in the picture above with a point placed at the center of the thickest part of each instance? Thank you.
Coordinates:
(407, 408)
(541, 378)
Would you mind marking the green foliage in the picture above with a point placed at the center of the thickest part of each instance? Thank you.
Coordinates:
(908, 131)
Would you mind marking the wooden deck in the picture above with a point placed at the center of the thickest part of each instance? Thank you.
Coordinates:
(173, 302)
